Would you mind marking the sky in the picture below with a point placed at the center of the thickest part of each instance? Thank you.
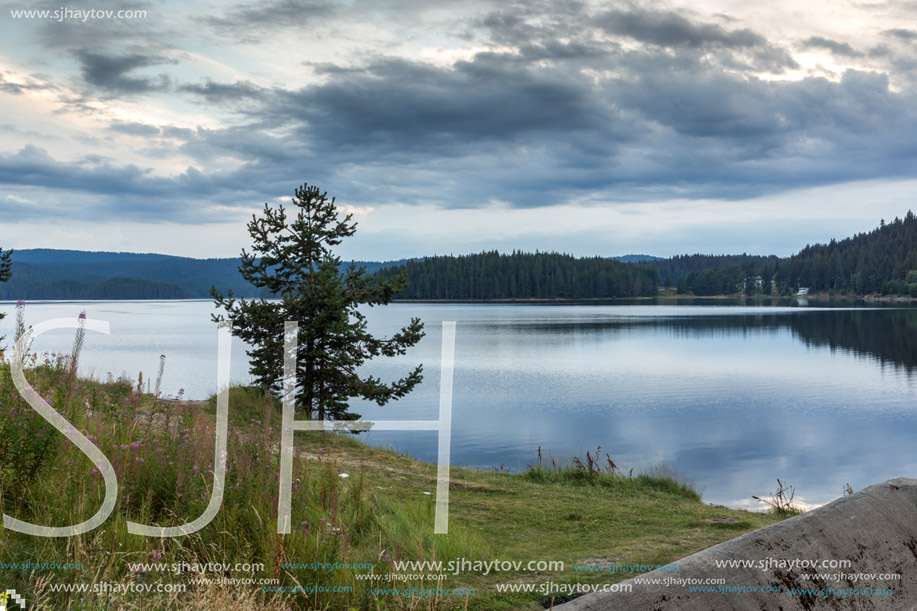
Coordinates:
(593, 128)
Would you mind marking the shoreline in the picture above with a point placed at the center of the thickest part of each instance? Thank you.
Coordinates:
(558, 300)
(564, 300)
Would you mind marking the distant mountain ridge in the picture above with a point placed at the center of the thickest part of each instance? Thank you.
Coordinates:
(52, 255)
(44, 273)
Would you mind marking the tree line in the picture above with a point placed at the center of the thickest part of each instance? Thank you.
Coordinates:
(881, 261)
(717, 274)
(519, 275)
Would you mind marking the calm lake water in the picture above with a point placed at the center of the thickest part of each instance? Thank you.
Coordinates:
(733, 396)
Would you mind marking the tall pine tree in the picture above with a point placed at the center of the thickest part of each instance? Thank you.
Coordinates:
(292, 259)
(6, 272)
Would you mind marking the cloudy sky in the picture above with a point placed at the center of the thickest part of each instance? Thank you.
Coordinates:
(585, 127)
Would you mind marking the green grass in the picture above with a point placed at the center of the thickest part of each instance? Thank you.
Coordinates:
(575, 513)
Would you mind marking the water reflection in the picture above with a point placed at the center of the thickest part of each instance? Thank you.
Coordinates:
(886, 335)
(734, 396)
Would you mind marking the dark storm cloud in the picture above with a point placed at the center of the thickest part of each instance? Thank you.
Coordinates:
(901, 34)
(570, 31)
(124, 191)
(727, 136)
(670, 29)
(112, 72)
(247, 21)
(526, 23)
(838, 48)
(521, 131)
(246, 143)
(34, 166)
(133, 193)
(408, 106)
(738, 48)
(224, 93)
(665, 125)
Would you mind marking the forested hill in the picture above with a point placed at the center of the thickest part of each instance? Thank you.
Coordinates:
(73, 274)
(491, 275)
(717, 274)
(881, 261)
(682, 265)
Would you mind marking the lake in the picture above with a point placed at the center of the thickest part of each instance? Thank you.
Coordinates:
(733, 396)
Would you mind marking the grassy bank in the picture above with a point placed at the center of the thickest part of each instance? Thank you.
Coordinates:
(380, 514)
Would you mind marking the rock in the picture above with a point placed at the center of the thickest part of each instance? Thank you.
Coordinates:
(874, 529)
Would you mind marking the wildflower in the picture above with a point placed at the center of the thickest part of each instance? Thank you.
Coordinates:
(303, 523)
(82, 315)
(343, 476)
(156, 555)
(20, 303)
(196, 468)
(135, 444)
